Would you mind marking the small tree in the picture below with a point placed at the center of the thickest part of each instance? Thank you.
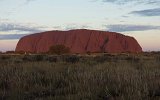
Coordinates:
(59, 49)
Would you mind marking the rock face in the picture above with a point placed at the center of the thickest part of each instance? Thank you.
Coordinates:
(79, 41)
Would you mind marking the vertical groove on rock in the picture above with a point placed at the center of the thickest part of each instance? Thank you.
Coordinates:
(86, 47)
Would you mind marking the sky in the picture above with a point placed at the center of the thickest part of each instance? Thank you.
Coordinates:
(137, 18)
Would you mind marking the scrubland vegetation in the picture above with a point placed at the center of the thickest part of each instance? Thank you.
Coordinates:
(80, 77)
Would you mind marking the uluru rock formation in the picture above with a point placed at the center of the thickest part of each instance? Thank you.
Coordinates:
(79, 41)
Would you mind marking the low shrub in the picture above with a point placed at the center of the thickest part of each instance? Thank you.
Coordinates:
(132, 58)
(158, 58)
(58, 49)
(102, 59)
(33, 58)
(71, 59)
(5, 57)
(10, 52)
(52, 59)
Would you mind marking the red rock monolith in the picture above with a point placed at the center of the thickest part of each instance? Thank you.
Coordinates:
(79, 41)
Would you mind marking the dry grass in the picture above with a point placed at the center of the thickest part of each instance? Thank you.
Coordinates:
(103, 77)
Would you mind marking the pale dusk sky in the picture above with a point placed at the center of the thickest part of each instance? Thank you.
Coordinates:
(137, 18)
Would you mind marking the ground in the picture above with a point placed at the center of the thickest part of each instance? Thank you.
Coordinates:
(80, 77)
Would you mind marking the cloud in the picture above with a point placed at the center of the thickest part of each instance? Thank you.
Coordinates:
(71, 26)
(76, 26)
(6, 27)
(125, 28)
(129, 1)
(147, 12)
(28, 1)
(11, 36)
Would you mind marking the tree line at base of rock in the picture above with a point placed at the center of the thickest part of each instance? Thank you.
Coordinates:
(55, 49)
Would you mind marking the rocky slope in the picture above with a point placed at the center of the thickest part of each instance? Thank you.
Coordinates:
(79, 41)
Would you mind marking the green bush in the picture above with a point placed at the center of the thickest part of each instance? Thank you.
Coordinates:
(59, 49)
(52, 59)
(4, 57)
(33, 58)
(72, 59)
